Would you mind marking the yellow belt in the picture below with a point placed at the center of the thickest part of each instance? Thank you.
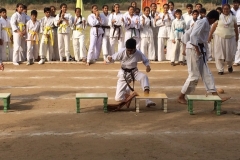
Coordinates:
(46, 29)
(21, 25)
(9, 31)
(79, 29)
(63, 27)
(34, 34)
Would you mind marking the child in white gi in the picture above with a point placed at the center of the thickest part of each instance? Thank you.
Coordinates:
(196, 58)
(188, 16)
(96, 32)
(191, 22)
(18, 25)
(106, 48)
(116, 23)
(47, 41)
(164, 21)
(177, 30)
(132, 26)
(147, 43)
(6, 36)
(79, 25)
(32, 29)
(63, 21)
(129, 58)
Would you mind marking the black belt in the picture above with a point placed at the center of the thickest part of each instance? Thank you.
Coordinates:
(105, 27)
(126, 70)
(133, 31)
(201, 46)
(97, 26)
(115, 27)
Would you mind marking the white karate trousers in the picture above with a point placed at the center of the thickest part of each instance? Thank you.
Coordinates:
(147, 47)
(122, 87)
(32, 50)
(46, 49)
(79, 48)
(18, 48)
(106, 47)
(7, 56)
(63, 45)
(196, 68)
(113, 41)
(94, 47)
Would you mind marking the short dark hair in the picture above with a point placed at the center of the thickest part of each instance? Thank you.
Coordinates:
(77, 9)
(198, 4)
(146, 8)
(189, 5)
(34, 12)
(130, 7)
(236, 1)
(213, 14)
(24, 7)
(3, 10)
(166, 5)
(105, 6)
(137, 9)
(171, 2)
(47, 9)
(195, 11)
(152, 4)
(203, 10)
(178, 11)
(131, 43)
(219, 8)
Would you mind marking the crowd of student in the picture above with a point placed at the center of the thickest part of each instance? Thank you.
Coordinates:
(158, 35)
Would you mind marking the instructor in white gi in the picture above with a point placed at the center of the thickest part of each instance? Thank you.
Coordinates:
(196, 58)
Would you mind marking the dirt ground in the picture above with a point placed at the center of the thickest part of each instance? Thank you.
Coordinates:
(43, 124)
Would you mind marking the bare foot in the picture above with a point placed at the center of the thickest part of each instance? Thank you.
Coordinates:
(182, 100)
(225, 99)
(87, 64)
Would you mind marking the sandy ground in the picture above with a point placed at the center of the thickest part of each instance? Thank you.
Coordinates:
(43, 124)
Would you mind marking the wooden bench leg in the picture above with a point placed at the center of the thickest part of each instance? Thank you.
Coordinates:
(137, 105)
(219, 103)
(8, 103)
(190, 107)
(78, 104)
(165, 105)
(105, 101)
(5, 104)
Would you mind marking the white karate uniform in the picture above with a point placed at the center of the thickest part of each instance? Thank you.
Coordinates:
(18, 22)
(187, 17)
(155, 33)
(163, 34)
(146, 34)
(235, 11)
(106, 40)
(32, 30)
(95, 38)
(130, 62)
(116, 31)
(189, 24)
(172, 12)
(64, 36)
(197, 65)
(225, 38)
(46, 44)
(177, 30)
(78, 38)
(6, 35)
(132, 30)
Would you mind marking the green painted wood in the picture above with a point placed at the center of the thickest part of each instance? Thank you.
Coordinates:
(203, 98)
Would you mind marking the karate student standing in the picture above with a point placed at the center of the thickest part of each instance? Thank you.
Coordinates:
(7, 37)
(132, 26)
(55, 55)
(177, 30)
(191, 22)
(146, 34)
(18, 27)
(32, 29)
(106, 28)
(188, 16)
(47, 41)
(196, 58)
(116, 23)
(96, 35)
(78, 37)
(164, 21)
(63, 21)
(153, 14)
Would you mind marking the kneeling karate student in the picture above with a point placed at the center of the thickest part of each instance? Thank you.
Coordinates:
(128, 73)
(196, 58)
